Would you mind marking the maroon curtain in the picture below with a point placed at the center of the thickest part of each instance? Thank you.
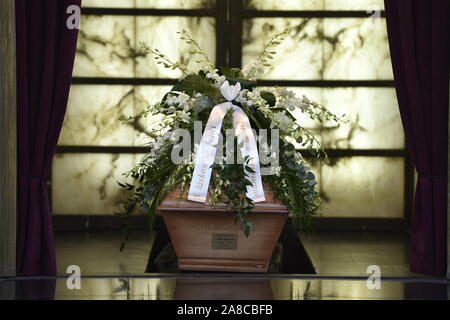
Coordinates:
(419, 37)
(45, 54)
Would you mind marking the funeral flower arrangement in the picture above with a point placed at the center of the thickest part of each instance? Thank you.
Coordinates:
(226, 102)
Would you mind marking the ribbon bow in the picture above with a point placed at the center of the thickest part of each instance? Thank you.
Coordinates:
(206, 152)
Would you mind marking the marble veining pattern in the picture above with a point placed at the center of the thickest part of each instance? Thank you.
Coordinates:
(369, 187)
(161, 33)
(154, 4)
(327, 49)
(95, 112)
(105, 47)
(109, 46)
(87, 183)
(314, 5)
(371, 114)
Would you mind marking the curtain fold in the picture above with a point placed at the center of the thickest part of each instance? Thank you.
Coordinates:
(419, 40)
(45, 55)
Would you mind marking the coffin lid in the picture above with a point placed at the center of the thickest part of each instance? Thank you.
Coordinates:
(172, 204)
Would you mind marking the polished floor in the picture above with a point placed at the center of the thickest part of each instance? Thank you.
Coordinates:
(351, 253)
(98, 253)
(340, 259)
(215, 288)
(332, 253)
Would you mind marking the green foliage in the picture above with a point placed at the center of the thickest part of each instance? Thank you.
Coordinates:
(269, 97)
(237, 180)
(196, 83)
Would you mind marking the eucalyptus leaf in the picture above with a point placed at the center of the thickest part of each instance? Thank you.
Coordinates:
(269, 97)
(310, 176)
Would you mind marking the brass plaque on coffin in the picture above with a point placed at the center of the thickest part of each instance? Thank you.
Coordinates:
(224, 241)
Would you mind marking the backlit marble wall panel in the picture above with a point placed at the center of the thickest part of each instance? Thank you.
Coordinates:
(350, 187)
(105, 47)
(145, 96)
(108, 46)
(353, 4)
(175, 4)
(330, 49)
(161, 33)
(284, 5)
(372, 115)
(94, 114)
(373, 119)
(109, 3)
(360, 187)
(356, 49)
(300, 56)
(87, 183)
(156, 4)
(363, 187)
(314, 4)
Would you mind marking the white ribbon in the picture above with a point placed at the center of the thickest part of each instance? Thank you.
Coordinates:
(206, 152)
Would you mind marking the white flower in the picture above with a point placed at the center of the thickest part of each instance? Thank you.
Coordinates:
(283, 121)
(276, 170)
(292, 103)
(170, 99)
(220, 81)
(249, 103)
(184, 116)
(182, 98)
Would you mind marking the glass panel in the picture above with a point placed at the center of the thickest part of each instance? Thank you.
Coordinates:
(334, 49)
(105, 47)
(286, 5)
(160, 33)
(87, 183)
(155, 4)
(94, 114)
(363, 187)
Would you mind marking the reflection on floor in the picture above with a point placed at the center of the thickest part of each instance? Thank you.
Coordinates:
(98, 253)
(135, 288)
(332, 253)
(350, 253)
(341, 260)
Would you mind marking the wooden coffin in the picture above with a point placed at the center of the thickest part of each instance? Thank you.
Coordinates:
(205, 237)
